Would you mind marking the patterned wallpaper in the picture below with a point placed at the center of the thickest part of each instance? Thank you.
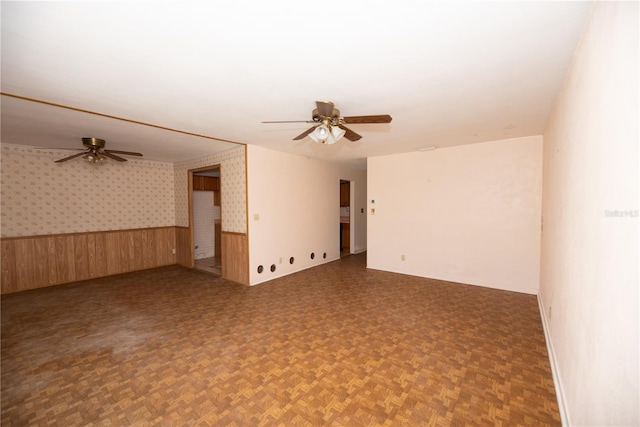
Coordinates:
(233, 192)
(38, 196)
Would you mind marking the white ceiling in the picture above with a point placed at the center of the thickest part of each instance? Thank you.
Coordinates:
(449, 73)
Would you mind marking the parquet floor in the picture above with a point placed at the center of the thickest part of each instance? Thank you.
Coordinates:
(335, 345)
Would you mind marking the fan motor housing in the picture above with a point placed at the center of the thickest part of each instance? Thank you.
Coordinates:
(93, 142)
(332, 120)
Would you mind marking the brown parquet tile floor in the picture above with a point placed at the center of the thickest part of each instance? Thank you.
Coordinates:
(335, 345)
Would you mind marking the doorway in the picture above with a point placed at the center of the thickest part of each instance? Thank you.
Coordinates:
(206, 219)
(345, 218)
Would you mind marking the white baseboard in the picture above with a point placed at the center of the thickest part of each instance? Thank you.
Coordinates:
(562, 407)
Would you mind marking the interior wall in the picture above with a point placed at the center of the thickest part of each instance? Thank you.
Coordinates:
(294, 210)
(589, 270)
(41, 197)
(467, 214)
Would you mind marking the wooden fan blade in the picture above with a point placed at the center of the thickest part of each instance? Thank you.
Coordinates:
(289, 121)
(382, 118)
(304, 134)
(128, 153)
(113, 156)
(325, 108)
(71, 157)
(349, 134)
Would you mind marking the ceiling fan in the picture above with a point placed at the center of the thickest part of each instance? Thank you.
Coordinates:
(330, 125)
(95, 152)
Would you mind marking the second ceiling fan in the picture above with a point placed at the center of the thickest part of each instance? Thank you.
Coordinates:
(95, 152)
(330, 125)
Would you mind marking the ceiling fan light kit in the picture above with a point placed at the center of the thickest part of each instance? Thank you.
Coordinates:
(94, 158)
(330, 125)
(327, 134)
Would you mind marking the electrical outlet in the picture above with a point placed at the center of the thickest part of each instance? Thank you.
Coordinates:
(173, 251)
(373, 211)
(401, 257)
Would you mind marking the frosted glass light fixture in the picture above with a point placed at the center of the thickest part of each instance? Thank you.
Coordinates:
(94, 157)
(327, 134)
(337, 133)
(320, 134)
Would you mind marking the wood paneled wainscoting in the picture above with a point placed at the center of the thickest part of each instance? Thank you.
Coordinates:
(184, 247)
(234, 249)
(38, 261)
(235, 257)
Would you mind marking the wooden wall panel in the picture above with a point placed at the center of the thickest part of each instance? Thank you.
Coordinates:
(155, 251)
(52, 273)
(38, 261)
(64, 260)
(24, 254)
(235, 257)
(8, 258)
(166, 239)
(80, 249)
(41, 254)
(112, 255)
(123, 250)
(138, 256)
(183, 246)
(97, 255)
(148, 249)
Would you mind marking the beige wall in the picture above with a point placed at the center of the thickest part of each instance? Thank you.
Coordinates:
(41, 197)
(468, 214)
(589, 271)
(294, 210)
